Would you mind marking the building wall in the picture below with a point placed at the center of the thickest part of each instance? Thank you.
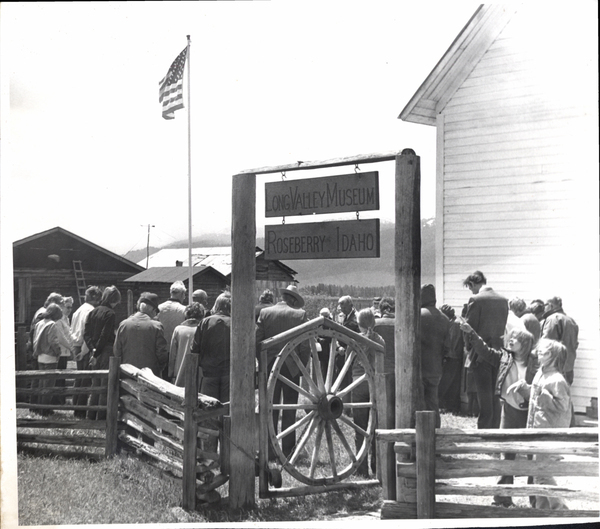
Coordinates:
(211, 286)
(518, 175)
(32, 287)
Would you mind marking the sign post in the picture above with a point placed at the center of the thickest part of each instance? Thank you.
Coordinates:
(407, 248)
(298, 200)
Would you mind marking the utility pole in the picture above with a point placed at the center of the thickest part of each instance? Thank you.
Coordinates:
(148, 245)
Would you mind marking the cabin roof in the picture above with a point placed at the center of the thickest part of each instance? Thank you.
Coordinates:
(170, 274)
(26, 242)
(457, 63)
(218, 258)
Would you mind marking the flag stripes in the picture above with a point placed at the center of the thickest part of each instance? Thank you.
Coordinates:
(170, 92)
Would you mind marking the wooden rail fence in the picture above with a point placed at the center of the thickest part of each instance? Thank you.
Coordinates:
(177, 433)
(57, 429)
(177, 430)
(430, 457)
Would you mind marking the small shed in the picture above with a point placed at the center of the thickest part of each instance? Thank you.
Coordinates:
(514, 103)
(159, 279)
(46, 262)
(271, 274)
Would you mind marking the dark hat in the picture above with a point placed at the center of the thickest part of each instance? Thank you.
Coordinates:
(427, 295)
(292, 290)
(151, 299)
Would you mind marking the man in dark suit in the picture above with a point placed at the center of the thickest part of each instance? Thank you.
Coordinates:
(434, 333)
(487, 312)
(274, 320)
(562, 328)
(140, 339)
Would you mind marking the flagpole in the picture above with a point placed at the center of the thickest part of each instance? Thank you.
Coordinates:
(190, 264)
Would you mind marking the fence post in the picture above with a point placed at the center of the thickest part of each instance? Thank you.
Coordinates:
(425, 437)
(130, 303)
(190, 434)
(21, 352)
(112, 406)
(224, 445)
(386, 457)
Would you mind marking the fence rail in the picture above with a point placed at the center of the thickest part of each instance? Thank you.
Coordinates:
(428, 456)
(177, 430)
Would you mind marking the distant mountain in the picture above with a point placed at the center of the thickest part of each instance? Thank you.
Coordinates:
(358, 272)
(137, 255)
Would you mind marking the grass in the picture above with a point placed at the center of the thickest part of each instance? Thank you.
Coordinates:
(124, 489)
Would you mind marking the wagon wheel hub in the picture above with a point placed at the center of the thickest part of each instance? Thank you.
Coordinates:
(330, 407)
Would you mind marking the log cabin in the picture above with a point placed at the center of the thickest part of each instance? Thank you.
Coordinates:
(57, 260)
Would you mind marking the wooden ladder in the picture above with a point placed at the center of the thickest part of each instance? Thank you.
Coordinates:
(79, 281)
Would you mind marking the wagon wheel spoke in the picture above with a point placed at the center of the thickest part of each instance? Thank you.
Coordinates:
(297, 388)
(331, 364)
(305, 437)
(299, 406)
(351, 423)
(316, 364)
(330, 448)
(352, 385)
(343, 440)
(296, 425)
(365, 404)
(317, 447)
(305, 372)
(349, 359)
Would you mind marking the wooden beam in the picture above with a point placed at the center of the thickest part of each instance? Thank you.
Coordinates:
(425, 426)
(189, 435)
(457, 435)
(243, 341)
(443, 489)
(386, 411)
(334, 162)
(112, 406)
(392, 510)
(63, 439)
(407, 267)
(57, 423)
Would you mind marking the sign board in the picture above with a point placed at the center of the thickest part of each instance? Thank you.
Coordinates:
(329, 194)
(323, 240)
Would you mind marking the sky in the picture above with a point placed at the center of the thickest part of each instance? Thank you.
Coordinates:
(84, 145)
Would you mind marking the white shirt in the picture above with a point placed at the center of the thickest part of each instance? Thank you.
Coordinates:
(78, 326)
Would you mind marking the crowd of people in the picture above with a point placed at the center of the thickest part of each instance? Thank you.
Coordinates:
(157, 337)
(513, 360)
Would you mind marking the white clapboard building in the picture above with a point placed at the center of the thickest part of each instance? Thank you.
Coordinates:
(514, 103)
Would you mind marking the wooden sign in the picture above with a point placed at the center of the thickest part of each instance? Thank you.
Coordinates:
(323, 240)
(329, 194)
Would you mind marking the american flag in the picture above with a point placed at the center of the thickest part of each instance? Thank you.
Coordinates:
(170, 92)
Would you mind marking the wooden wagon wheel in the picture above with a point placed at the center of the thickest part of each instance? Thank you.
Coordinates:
(321, 412)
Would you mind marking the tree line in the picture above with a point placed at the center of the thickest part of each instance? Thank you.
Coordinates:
(323, 289)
